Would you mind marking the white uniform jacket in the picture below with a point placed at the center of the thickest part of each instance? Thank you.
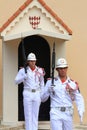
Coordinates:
(63, 94)
(32, 79)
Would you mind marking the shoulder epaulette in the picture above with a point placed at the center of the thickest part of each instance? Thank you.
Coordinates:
(74, 81)
(77, 86)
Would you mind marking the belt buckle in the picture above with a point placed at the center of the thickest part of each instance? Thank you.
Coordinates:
(63, 109)
(33, 90)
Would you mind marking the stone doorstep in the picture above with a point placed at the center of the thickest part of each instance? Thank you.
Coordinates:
(21, 126)
(45, 125)
(11, 127)
(42, 124)
(18, 126)
(81, 126)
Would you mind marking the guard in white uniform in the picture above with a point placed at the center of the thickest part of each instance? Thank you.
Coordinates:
(62, 95)
(33, 82)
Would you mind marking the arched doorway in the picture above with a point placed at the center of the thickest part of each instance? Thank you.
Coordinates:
(40, 47)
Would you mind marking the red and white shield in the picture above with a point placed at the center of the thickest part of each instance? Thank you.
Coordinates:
(34, 21)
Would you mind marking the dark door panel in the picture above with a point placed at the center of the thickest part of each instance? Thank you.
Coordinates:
(40, 47)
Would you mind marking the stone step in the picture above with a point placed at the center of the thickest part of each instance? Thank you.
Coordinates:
(42, 126)
(80, 127)
(11, 127)
(45, 125)
(21, 126)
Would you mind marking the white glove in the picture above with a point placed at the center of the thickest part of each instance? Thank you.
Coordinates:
(51, 90)
(25, 76)
(81, 116)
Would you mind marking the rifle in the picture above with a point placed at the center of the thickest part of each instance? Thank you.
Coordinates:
(53, 63)
(24, 55)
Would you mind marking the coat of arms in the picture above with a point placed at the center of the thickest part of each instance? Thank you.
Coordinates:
(34, 21)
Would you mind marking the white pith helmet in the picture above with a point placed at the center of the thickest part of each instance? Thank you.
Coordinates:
(31, 56)
(61, 63)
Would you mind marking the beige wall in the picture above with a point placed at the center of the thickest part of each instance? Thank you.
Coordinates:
(73, 13)
(0, 79)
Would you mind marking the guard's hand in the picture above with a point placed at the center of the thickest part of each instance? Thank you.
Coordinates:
(25, 76)
(81, 116)
(51, 90)
(81, 119)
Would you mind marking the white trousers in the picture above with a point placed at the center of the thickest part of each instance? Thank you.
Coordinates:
(61, 120)
(61, 125)
(31, 102)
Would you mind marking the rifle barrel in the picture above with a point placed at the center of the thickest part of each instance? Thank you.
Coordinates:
(53, 63)
(24, 56)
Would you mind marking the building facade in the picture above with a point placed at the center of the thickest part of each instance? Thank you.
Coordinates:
(50, 28)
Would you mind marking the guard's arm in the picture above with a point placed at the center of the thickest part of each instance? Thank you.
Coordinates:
(21, 76)
(80, 105)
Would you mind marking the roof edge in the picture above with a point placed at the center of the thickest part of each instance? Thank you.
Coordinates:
(22, 7)
(55, 16)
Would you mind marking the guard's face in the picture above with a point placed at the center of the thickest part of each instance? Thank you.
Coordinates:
(62, 72)
(32, 64)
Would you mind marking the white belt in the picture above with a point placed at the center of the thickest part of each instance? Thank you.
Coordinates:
(63, 109)
(32, 90)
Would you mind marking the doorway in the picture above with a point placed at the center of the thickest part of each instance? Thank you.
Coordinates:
(38, 45)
